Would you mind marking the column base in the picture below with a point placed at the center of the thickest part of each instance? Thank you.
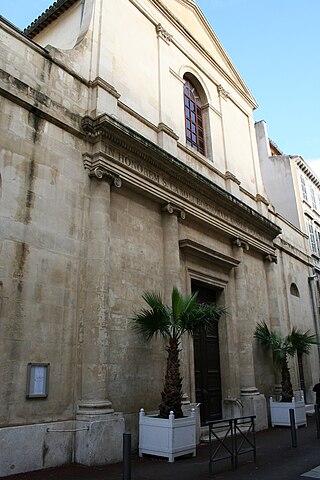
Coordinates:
(249, 391)
(99, 439)
(94, 407)
(254, 403)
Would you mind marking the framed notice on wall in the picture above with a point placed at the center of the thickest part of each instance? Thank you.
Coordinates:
(37, 380)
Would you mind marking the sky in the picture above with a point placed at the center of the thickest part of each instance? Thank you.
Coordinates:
(274, 45)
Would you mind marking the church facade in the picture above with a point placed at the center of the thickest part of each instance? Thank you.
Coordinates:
(129, 163)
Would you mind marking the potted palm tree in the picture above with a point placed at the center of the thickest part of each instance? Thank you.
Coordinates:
(283, 348)
(158, 434)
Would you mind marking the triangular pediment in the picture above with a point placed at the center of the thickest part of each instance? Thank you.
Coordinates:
(188, 14)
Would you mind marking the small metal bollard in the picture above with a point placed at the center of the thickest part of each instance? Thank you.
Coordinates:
(317, 416)
(126, 456)
(293, 428)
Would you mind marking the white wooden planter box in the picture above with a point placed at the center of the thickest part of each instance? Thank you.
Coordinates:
(280, 412)
(169, 438)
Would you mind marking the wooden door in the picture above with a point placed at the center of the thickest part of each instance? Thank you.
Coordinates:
(207, 363)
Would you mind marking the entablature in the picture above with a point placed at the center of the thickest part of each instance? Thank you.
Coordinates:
(146, 166)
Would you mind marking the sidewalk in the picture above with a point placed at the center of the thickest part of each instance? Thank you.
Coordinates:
(275, 459)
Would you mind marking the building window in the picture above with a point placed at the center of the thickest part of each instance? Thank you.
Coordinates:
(312, 237)
(304, 188)
(313, 198)
(193, 118)
(318, 239)
(294, 290)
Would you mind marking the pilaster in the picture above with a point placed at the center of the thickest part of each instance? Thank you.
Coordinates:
(171, 255)
(271, 268)
(253, 403)
(94, 409)
(167, 138)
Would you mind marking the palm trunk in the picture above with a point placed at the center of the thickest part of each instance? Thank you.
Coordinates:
(287, 391)
(172, 391)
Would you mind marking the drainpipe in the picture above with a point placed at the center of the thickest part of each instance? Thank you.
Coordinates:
(314, 308)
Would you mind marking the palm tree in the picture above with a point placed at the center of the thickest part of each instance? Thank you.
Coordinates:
(283, 348)
(184, 316)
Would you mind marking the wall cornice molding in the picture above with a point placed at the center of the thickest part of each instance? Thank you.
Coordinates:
(195, 249)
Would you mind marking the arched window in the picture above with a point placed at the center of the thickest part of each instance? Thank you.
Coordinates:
(193, 118)
(294, 290)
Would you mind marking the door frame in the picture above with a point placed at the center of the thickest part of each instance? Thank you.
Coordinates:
(218, 294)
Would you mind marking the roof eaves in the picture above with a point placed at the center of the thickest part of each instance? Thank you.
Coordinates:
(48, 16)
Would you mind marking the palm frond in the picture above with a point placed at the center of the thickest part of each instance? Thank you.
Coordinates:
(272, 340)
(153, 321)
(184, 315)
(268, 338)
(300, 342)
(182, 305)
(202, 316)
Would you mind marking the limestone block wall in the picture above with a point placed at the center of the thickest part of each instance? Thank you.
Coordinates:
(136, 369)
(41, 225)
(38, 446)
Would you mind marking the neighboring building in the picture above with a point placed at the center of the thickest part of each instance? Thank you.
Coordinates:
(294, 191)
(292, 187)
(129, 162)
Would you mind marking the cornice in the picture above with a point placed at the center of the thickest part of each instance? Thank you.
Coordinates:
(306, 170)
(40, 104)
(190, 247)
(133, 155)
(100, 82)
(20, 35)
(283, 246)
(137, 115)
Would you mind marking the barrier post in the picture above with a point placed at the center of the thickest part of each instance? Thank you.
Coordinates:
(293, 428)
(126, 456)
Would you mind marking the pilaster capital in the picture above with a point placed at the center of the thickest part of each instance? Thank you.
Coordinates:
(238, 242)
(103, 173)
(271, 258)
(223, 93)
(172, 209)
(162, 33)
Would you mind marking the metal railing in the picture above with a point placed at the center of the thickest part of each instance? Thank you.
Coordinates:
(230, 438)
